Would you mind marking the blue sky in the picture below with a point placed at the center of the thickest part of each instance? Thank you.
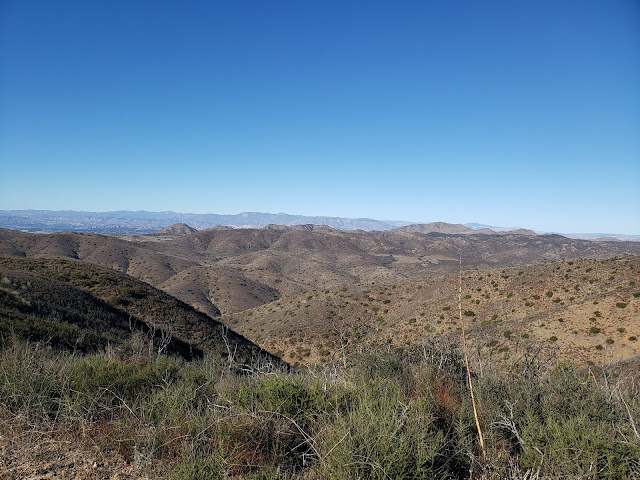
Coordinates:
(499, 112)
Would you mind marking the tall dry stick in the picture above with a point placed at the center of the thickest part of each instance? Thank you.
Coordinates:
(466, 360)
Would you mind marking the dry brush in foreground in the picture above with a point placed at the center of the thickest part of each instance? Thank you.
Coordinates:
(389, 413)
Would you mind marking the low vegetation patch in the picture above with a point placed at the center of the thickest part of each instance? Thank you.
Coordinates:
(388, 413)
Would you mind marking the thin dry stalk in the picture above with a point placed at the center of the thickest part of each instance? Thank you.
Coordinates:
(466, 360)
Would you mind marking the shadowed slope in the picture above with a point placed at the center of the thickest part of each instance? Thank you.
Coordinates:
(112, 305)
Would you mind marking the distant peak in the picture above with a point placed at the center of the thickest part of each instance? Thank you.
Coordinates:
(436, 227)
(177, 229)
(457, 229)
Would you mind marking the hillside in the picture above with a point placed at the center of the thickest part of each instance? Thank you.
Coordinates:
(78, 305)
(583, 310)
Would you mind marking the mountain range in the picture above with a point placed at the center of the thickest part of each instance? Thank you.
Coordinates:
(126, 222)
(142, 222)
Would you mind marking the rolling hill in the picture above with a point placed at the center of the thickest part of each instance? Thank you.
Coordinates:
(247, 267)
(76, 305)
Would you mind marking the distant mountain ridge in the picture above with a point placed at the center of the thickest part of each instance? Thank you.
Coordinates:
(425, 228)
(457, 229)
(144, 222)
(141, 222)
(604, 237)
(601, 237)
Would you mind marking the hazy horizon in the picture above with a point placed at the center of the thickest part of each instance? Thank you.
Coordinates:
(390, 221)
(502, 113)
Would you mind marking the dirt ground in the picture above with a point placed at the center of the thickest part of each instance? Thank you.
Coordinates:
(40, 456)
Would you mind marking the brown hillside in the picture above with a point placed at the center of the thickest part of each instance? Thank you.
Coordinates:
(216, 288)
(509, 309)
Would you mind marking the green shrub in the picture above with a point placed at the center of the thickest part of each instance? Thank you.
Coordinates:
(384, 436)
(193, 390)
(31, 379)
(621, 305)
(288, 396)
(574, 446)
(202, 467)
(98, 384)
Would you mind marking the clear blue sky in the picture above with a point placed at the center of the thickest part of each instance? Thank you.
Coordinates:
(499, 112)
